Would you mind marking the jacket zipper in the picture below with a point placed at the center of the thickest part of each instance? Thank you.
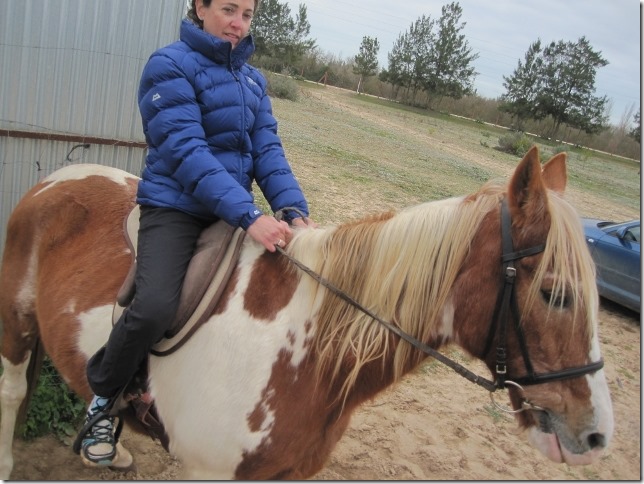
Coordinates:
(240, 171)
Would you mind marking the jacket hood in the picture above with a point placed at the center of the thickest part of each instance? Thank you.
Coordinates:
(214, 48)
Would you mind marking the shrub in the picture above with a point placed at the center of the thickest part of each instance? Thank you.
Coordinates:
(560, 148)
(53, 408)
(516, 143)
(282, 86)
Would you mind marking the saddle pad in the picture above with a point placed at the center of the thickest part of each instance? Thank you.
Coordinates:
(213, 261)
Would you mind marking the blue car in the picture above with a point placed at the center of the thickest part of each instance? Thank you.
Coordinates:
(615, 248)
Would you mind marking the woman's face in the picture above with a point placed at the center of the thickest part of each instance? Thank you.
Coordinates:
(227, 19)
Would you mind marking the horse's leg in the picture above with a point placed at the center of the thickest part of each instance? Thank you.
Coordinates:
(21, 356)
(20, 352)
(13, 389)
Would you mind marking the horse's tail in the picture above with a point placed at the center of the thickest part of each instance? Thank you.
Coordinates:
(33, 373)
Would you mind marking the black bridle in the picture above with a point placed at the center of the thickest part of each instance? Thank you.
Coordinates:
(506, 303)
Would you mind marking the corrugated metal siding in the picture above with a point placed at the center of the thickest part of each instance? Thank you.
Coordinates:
(73, 67)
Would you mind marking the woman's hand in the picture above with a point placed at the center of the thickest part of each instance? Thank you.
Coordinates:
(270, 232)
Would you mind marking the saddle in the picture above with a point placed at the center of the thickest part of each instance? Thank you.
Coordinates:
(212, 264)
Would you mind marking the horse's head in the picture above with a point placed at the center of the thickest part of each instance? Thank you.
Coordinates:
(551, 330)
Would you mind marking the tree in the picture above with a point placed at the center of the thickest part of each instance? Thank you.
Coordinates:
(559, 82)
(280, 41)
(438, 62)
(399, 71)
(523, 87)
(409, 57)
(450, 70)
(569, 71)
(636, 132)
(366, 62)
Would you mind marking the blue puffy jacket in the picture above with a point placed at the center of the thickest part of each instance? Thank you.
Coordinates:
(210, 132)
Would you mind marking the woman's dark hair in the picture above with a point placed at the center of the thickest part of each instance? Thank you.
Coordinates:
(192, 11)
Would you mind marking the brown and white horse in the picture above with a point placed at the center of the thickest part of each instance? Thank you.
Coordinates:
(267, 386)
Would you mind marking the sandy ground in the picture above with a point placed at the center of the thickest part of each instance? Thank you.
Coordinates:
(433, 425)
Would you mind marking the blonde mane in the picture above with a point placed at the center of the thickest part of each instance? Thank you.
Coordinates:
(402, 266)
(567, 258)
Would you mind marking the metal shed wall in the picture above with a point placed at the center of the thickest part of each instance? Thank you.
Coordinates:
(73, 66)
(69, 75)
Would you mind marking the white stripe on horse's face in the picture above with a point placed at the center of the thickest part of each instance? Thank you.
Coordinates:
(224, 371)
(80, 172)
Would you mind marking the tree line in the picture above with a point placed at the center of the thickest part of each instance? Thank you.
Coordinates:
(432, 62)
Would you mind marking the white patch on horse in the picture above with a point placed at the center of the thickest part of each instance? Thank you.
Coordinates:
(71, 307)
(80, 172)
(25, 296)
(13, 389)
(446, 323)
(224, 381)
(95, 328)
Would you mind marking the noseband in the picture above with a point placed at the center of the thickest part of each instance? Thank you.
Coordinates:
(506, 303)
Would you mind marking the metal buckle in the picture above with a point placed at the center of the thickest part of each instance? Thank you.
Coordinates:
(525, 404)
(510, 273)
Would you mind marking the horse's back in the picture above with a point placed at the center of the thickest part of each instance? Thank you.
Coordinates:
(64, 237)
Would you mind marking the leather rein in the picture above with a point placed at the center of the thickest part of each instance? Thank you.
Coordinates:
(505, 304)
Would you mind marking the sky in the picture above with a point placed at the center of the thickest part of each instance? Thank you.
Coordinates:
(501, 32)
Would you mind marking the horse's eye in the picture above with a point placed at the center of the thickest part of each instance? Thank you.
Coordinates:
(556, 300)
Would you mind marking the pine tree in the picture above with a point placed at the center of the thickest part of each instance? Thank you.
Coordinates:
(558, 81)
(569, 71)
(366, 62)
(437, 62)
(451, 72)
(280, 40)
(409, 57)
(636, 132)
(523, 87)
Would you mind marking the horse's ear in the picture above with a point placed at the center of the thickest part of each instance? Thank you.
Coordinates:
(527, 191)
(554, 173)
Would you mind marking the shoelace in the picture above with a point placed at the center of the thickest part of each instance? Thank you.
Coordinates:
(102, 431)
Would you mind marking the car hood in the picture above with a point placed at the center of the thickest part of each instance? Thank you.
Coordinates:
(591, 229)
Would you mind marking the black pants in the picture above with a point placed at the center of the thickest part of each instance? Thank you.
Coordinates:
(167, 240)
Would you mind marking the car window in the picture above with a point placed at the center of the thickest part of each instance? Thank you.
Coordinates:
(633, 234)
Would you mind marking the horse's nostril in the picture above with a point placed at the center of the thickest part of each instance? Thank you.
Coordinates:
(596, 441)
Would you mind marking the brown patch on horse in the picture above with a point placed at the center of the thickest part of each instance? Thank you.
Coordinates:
(46, 280)
(481, 271)
(256, 419)
(261, 299)
(222, 304)
(285, 454)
